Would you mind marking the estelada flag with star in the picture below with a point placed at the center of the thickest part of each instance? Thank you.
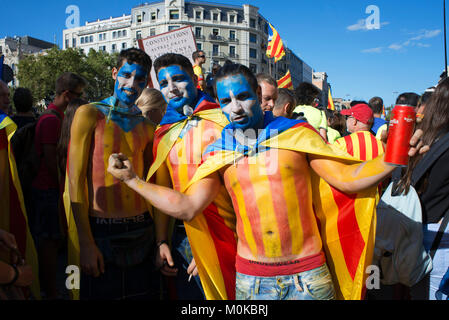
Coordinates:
(275, 47)
(347, 222)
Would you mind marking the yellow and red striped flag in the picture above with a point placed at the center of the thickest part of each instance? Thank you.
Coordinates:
(286, 81)
(275, 47)
(384, 115)
(330, 102)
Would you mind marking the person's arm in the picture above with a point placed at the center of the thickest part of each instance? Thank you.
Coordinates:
(351, 178)
(171, 202)
(83, 126)
(21, 276)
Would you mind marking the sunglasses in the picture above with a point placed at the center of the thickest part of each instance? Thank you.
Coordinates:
(201, 56)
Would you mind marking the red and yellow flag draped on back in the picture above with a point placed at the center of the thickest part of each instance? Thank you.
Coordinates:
(347, 222)
(212, 233)
(361, 145)
(13, 218)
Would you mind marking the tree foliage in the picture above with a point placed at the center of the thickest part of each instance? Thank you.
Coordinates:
(39, 72)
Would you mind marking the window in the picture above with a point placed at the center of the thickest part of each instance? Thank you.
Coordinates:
(82, 40)
(91, 39)
(67, 43)
(253, 68)
(114, 48)
(232, 51)
(215, 32)
(252, 23)
(102, 48)
(199, 46)
(232, 35)
(253, 53)
(152, 32)
(124, 33)
(139, 18)
(1, 49)
(114, 35)
(170, 28)
(124, 45)
(73, 43)
(253, 38)
(138, 35)
(215, 16)
(197, 32)
(119, 34)
(153, 16)
(232, 18)
(215, 49)
(174, 14)
(198, 15)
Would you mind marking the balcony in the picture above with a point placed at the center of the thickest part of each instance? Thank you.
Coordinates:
(233, 40)
(217, 55)
(233, 56)
(200, 37)
(217, 38)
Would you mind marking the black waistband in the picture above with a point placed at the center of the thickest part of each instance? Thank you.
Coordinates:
(120, 225)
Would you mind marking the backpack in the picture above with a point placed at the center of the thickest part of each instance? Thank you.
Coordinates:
(25, 153)
(399, 251)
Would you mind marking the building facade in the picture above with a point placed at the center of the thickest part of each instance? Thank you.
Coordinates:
(15, 48)
(222, 31)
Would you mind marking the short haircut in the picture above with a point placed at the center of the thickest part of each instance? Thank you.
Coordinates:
(170, 59)
(408, 98)
(23, 100)
(376, 104)
(151, 97)
(263, 77)
(233, 69)
(306, 93)
(196, 54)
(69, 81)
(134, 55)
(285, 96)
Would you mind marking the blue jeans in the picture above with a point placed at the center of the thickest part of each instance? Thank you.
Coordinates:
(315, 284)
(182, 256)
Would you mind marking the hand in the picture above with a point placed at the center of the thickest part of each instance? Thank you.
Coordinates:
(192, 269)
(25, 276)
(91, 260)
(120, 167)
(164, 261)
(416, 144)
(7, 240)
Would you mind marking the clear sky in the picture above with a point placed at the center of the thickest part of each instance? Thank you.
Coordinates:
(405, 54)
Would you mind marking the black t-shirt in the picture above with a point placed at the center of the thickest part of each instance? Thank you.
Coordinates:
(435, 196)
(22, 121)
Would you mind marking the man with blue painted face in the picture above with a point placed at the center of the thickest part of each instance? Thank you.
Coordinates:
(304, 209)
(192, 121)
(112, 224)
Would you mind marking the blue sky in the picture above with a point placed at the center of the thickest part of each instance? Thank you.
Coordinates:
(405, 54)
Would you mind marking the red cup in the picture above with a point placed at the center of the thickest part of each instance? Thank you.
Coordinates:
(401, 127)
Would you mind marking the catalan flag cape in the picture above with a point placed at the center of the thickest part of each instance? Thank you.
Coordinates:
(13, 217)
(347, 221)
(275, 48)
(330, 103)
(362, 145)
(212, 233)
(286, 81)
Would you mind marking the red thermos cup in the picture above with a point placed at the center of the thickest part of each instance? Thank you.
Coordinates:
(402, 125)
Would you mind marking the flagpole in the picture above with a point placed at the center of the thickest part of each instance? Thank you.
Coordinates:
(445, 45)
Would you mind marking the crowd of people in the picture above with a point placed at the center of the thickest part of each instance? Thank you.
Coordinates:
(217, 187)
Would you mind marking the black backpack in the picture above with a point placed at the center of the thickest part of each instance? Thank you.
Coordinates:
(25, 154)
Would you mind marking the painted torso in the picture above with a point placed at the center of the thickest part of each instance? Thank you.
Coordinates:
(108, 196)
(272, 197)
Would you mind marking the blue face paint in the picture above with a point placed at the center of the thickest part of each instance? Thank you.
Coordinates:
(131, 80)
(178, 87)
(239, 102)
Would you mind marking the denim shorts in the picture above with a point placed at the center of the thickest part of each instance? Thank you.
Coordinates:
(315, 284)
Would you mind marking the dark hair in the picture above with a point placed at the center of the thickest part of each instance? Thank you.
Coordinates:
(408, 98)
(434, 123)
(170, 59)
(263, 77)
(376, 104)
(306, 93)
(426, 96)
(196, 54)
(232, 69)
(134, 55)
(337, 121)
(69, 81)
(356, 102)
(284, 96)
(64, 138)
(23, 100)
